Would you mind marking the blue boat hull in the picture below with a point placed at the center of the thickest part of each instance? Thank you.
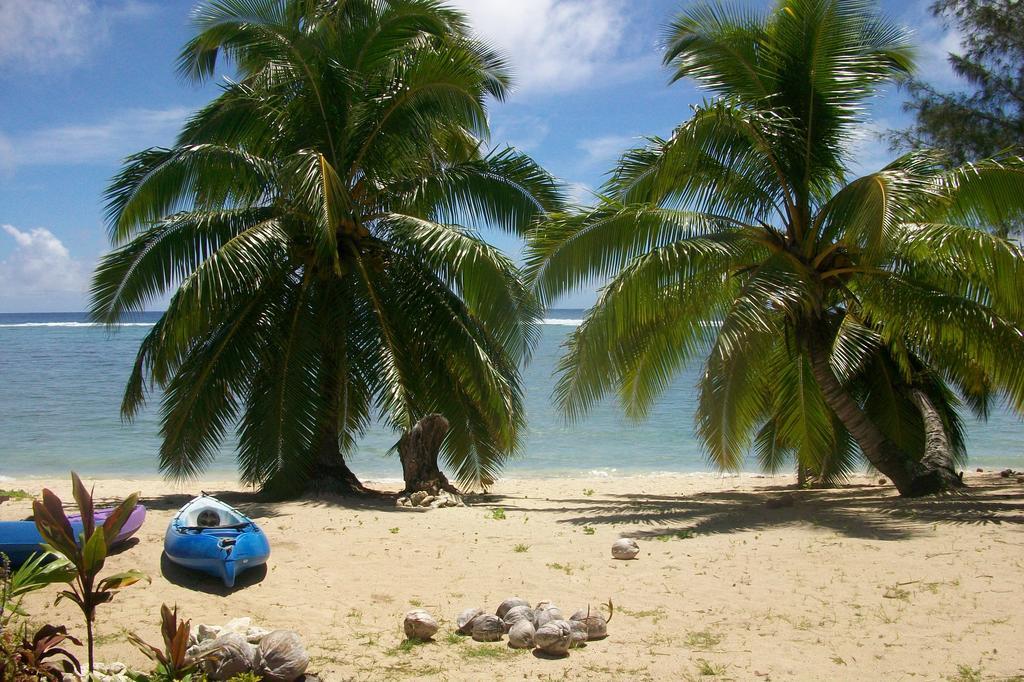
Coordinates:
(21, 539)
(224, 553)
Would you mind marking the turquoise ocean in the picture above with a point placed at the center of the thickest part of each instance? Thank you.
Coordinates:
(61, 380)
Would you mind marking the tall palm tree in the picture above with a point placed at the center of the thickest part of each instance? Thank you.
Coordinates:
(836, 317)
(317, 220)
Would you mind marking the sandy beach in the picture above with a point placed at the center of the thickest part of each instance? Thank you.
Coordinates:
(851, 584)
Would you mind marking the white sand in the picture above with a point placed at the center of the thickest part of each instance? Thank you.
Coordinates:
(851, 584)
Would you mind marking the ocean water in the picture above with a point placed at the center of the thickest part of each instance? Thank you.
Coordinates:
(61, 380)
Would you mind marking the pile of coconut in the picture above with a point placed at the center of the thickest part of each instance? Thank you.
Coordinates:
(542, 627)
(239, 647)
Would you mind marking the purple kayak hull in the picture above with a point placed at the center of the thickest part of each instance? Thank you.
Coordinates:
(19, 539)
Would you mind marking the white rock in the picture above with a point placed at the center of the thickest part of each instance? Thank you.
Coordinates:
(206, 632)
(239, 625)
(419, 625)
(625, 548)
(426, 501)
(254, 634)
(417, 497)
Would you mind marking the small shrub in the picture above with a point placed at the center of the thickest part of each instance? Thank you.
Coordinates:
(172, 661)
(85, 553)
(41, 658)
(498, 514)
(520, 548)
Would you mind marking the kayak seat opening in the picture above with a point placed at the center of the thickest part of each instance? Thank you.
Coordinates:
(211, 517)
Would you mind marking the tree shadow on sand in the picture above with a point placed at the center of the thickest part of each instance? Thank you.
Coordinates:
(249, 503)
(857, 511)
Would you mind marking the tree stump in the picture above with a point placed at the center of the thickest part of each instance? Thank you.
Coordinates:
(418, 451)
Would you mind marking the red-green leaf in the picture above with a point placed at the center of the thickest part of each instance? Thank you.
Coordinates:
(112, 526)
(94, 553)
(83, 498)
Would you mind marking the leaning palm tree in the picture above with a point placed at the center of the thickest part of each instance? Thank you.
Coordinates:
(317, 221)
(836, 318)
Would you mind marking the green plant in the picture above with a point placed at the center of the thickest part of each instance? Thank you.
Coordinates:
(246, 677)
(41, 658)
(520, 548)
(393, 531)
(709, 669)
(498, 514)
(320, 221)
(14, 495)
(172, 661)
(588, 492)
(38, 571)
(837, 320)
(87, 553)
(588, 530)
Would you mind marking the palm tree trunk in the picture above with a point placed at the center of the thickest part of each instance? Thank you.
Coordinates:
(418, 450)
(938, 453)
(330, 472)
(911, 478)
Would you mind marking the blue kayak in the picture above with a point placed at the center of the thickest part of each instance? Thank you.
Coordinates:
(20, 539)
(209, 536)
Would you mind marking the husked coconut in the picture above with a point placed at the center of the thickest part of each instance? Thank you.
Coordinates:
(579, 633)
(625, 548)
(516, 614)
(508, 604)
(464, 622)
(545, 613)
(420, 625)
(554, 638)
(594, 621)
(520, 636)
(487, 628)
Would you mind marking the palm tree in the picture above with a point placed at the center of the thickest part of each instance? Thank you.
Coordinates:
(316, 219)
(836, 317)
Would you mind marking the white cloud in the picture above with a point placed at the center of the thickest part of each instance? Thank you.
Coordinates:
(605, 149)
(525, 132)
(555, 45)
(38, 35)
(934, 42)
(39, 267)
(124, 133)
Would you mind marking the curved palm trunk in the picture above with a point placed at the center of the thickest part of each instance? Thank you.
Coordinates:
(938, 453)
(932, 474)
(418, 451)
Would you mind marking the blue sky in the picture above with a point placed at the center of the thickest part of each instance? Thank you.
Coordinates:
(83, 83)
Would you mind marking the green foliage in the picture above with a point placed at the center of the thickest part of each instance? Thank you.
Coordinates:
(86, 554)
(38, 571)
(825, 309)
(984, 115)
(173, 661)
(498, 514)
(246, 677)
(317, 223)
(14, 495)
(43, 657)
